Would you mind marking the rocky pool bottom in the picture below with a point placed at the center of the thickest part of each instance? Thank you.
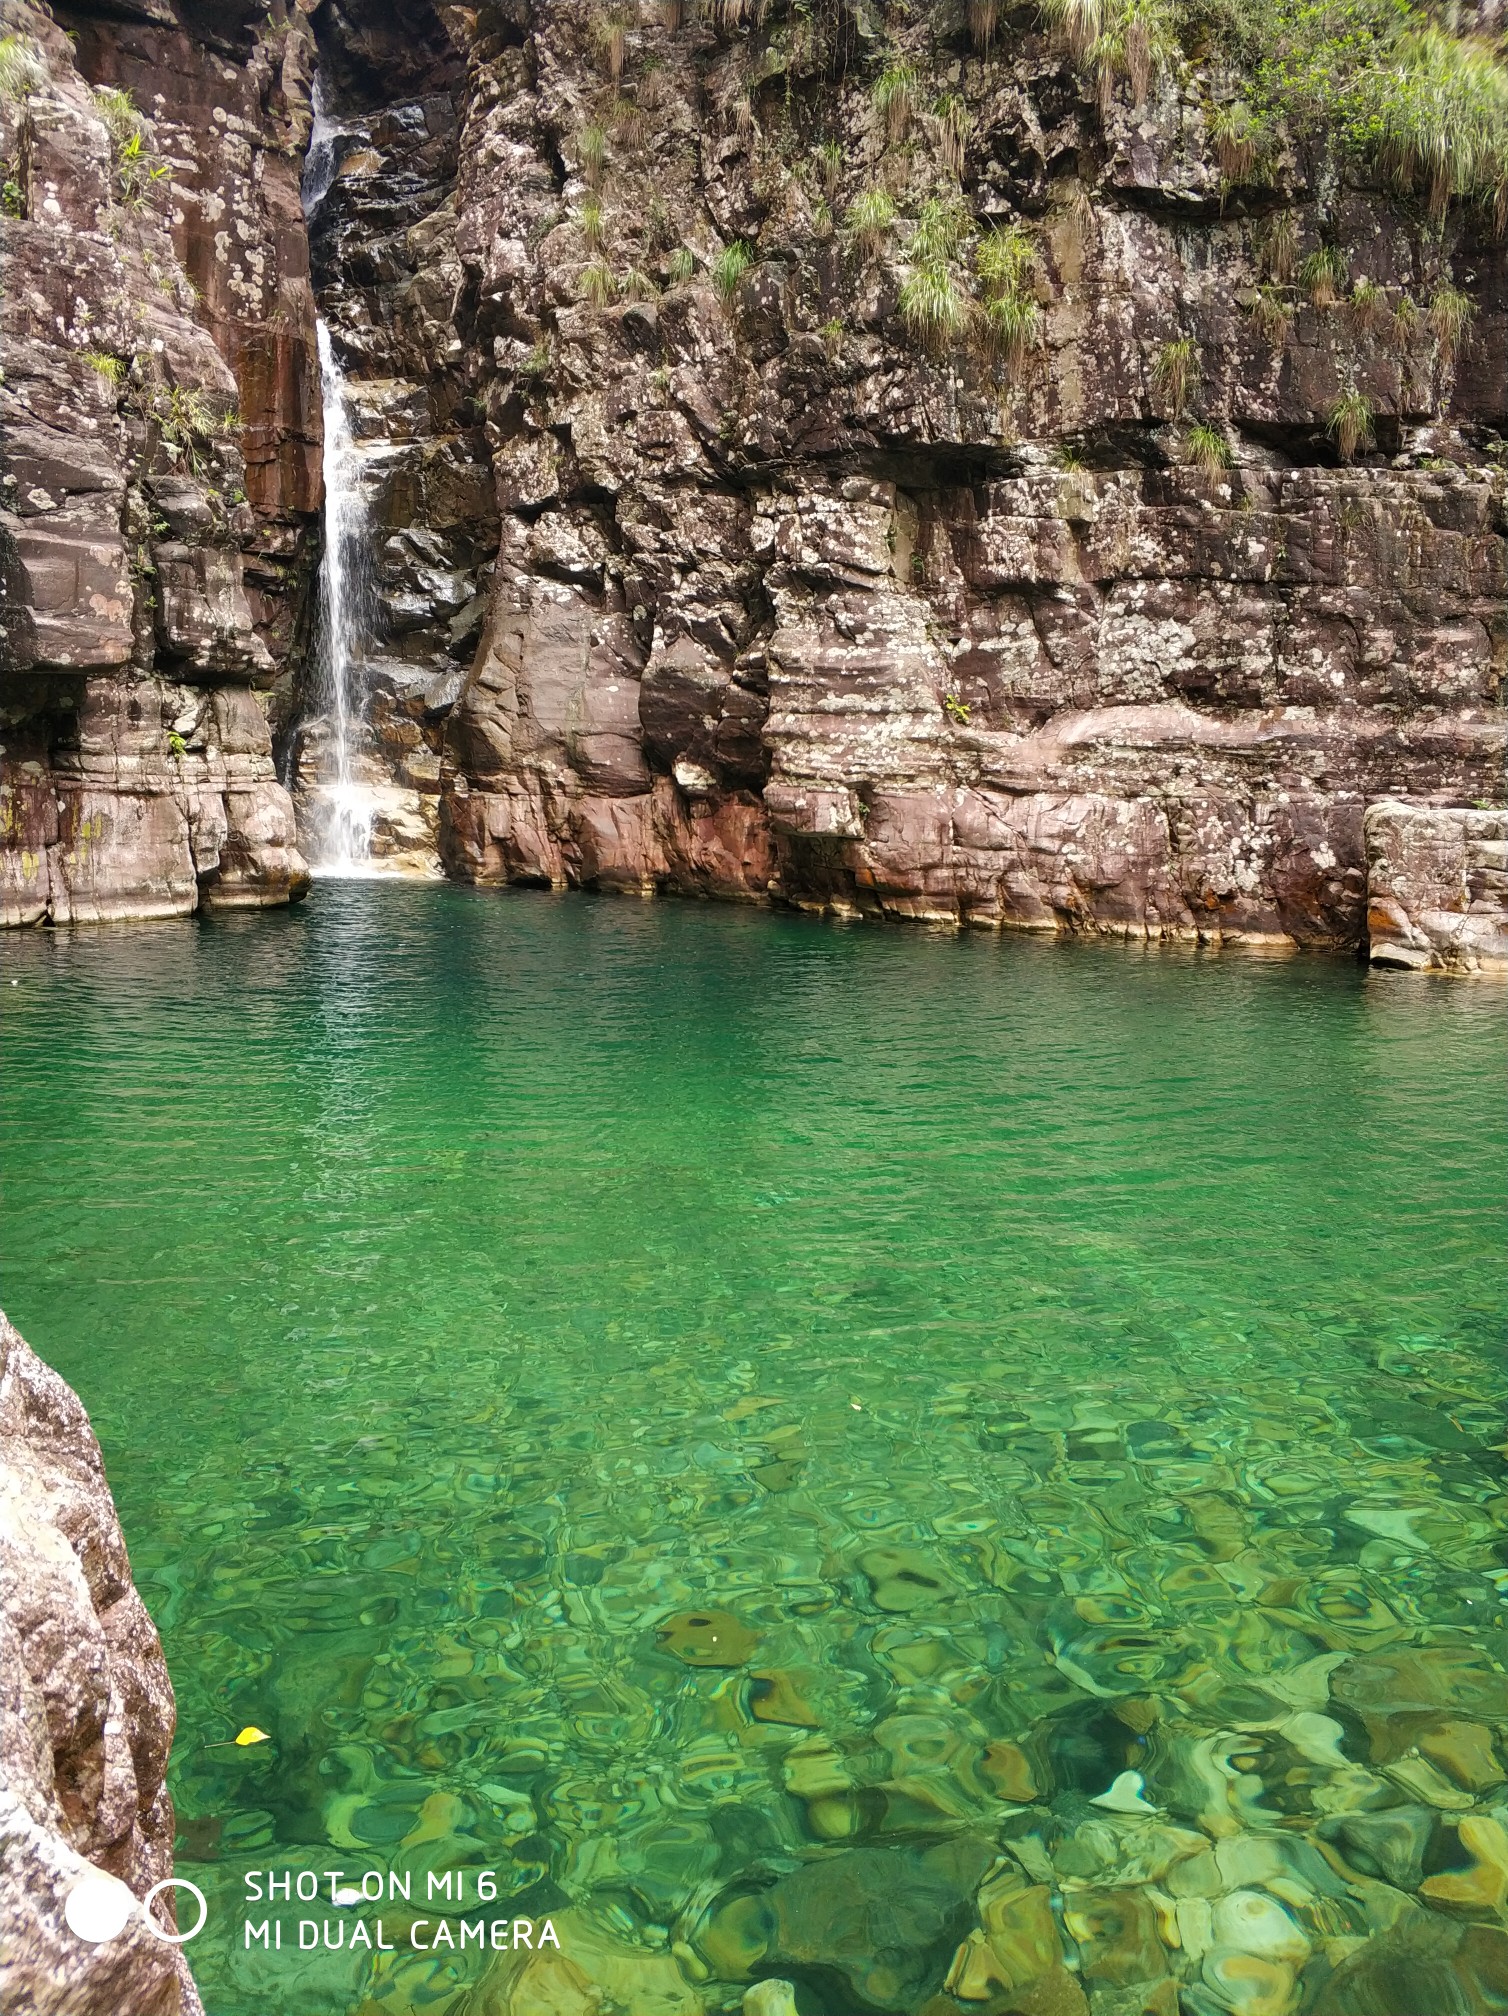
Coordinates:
(965, 1475)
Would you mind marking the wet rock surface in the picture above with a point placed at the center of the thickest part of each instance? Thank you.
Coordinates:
(388, 281)
(86, 1717)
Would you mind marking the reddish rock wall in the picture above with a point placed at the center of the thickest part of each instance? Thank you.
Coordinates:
(788, 607)
(160, 460)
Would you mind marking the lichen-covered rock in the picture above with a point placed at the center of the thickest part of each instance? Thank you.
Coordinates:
(1437, 887)
(977, 643)
(86, 1717)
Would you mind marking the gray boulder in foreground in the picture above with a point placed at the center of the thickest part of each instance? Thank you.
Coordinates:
(86, 1716)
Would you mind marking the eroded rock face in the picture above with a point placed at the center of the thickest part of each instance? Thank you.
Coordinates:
(86, 1716)
(160, 468)
(742, 589)
(1437, 887)
(786, 606)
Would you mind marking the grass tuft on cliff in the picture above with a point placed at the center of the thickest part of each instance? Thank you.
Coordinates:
(895, 99)
(1428, 109)
(934, 305)
(1175, 373)
(1351, 423)
(870, 220)
(1207, 449)
(730, 266)
(1448, 318)
(1385, 81)
(21, 67)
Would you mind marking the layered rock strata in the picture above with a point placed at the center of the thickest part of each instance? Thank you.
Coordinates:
(1437, 887)
(160, 471)
(788, 605)
(86, 1718)
(695, 567)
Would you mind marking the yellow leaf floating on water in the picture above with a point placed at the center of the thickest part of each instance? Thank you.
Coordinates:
(251, 1734)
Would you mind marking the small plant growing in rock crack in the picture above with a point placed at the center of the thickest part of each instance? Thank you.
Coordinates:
(593, 224)
(639, 285)
(1235, 134)
(610, 39)
(870, 220)
(1367, 307)
(187, 423)
(832, 337)
(1175, 373)
(1449, 318)
(984, 19)
(107, 366)
(591, 152)
(1323, 276)
(1271, 314)
(135, 169)
(1278, 247)
(933, 301)
(894, 98)
(934, 306)
(957, 711)
(598, 283)
(680, 266)
(21, 67)
(730, 266)
(1011, 320)
(828, 159)
(953, 125)
(630, 123)
(12, 198)
(659, 226)
(537, 363)
(1406, 319)
(1133, 39)
(1207, 449)
(1350, 424)
(177, 747)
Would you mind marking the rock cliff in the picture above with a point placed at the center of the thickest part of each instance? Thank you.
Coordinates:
(849, 457)
(86, 1717)
(160, 472)
(791, 601)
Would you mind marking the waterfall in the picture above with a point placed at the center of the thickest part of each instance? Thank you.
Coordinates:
(342, 840)
(345, 841)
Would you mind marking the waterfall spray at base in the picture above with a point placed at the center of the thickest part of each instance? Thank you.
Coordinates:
(344, 842)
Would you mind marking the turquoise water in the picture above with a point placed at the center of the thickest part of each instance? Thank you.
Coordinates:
(750, 1429)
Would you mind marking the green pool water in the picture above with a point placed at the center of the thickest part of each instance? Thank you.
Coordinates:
(750, 1429)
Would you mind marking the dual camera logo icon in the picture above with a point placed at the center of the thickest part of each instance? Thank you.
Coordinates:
(100, 1907)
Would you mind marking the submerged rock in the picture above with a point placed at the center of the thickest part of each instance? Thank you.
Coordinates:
(707, 1638)
(869, 1929)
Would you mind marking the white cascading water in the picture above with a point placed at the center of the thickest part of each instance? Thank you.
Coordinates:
(345, 844)
(342, 843)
